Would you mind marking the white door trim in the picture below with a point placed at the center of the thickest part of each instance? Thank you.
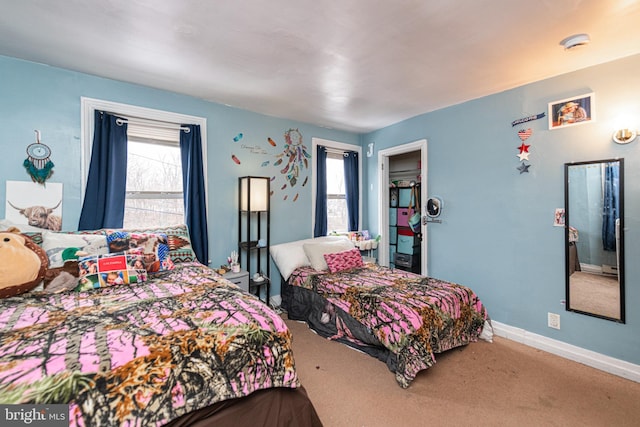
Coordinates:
(383, 198)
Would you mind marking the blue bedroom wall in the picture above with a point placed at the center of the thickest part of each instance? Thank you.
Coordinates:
(35, 96)
(497, 234)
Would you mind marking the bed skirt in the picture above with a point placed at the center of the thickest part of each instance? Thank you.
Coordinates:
(276, 407)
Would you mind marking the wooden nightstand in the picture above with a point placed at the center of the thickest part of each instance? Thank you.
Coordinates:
(240, 278)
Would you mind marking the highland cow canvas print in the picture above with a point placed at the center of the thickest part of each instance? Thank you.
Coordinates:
(30, 204)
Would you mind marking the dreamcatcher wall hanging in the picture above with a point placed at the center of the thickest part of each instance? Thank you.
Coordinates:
(37, 163)
(296, 155)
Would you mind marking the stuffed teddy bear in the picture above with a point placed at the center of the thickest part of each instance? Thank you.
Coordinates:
(22, 263)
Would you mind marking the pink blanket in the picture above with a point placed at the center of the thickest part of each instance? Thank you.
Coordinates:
(142, 354)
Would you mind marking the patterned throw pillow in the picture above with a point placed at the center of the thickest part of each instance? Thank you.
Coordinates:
(155, 248)
(345, 260)
(35, 236)
(99, 271)
(61, 247)
(178, 240)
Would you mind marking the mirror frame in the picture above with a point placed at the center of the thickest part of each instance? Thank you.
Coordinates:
(621, 268)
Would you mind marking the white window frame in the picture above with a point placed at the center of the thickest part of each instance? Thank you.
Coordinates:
(88, 106)
(314, 174)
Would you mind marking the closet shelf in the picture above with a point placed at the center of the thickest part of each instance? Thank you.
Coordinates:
(397, 172)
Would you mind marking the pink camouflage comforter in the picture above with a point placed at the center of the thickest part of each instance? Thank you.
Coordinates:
(143, 354)
(411, 316)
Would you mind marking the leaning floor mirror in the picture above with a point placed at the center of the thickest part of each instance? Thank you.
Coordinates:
(594, 238)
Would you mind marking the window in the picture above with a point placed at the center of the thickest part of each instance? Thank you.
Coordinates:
(154, 195)
(337, 215)
(337, 211)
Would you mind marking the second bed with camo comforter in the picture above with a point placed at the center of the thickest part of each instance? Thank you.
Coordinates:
(401, 318)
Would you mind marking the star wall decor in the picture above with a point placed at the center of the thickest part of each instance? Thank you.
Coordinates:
(523, 168)
(524, 135)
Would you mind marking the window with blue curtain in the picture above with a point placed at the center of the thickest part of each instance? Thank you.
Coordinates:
(337, 202)
(106, 192)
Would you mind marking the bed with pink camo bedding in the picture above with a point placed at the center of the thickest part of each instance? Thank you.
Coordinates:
(144, 354)
(401, 318)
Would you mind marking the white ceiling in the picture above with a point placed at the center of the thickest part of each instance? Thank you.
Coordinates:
(356, 65)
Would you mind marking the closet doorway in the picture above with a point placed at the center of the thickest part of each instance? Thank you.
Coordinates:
(406, 162)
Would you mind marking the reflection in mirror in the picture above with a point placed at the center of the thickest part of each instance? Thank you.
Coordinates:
(594, 238)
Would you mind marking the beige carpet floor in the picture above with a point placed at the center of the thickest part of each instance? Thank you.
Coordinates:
(483, 384)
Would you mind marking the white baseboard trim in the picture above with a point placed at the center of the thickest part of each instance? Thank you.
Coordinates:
(590, 268)
(605, 363)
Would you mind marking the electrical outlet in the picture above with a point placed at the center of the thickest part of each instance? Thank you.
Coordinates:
(553, 320)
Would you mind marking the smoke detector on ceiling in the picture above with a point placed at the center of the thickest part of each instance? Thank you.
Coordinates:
(575, 41)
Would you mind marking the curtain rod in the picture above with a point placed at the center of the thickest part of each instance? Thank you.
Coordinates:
(151, 123)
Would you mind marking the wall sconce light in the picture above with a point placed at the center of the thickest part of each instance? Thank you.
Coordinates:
(624, 136)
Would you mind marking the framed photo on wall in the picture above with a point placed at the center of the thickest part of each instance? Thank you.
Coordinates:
(558, 220)
(572, 111)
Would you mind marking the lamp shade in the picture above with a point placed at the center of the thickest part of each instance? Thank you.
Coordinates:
(254, 193)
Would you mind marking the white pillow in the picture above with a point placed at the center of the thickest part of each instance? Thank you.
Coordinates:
(55, 243)
(289, 256)
(316, 251)
(5, 224)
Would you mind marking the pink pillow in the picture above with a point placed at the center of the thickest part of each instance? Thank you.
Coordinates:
(344, 260)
